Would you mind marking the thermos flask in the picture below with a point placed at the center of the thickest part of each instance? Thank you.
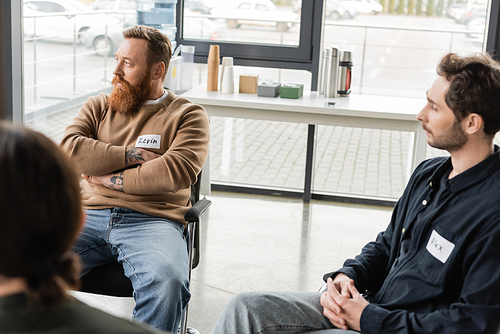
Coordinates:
(345, 73)
(321, 74)
(331, 78)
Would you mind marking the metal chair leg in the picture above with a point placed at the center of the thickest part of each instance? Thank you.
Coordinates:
(190, 243)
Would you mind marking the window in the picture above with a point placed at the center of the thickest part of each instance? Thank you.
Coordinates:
(254, 33)
(395, 53)
(396, 50)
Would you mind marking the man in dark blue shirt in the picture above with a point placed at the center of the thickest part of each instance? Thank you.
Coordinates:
(436, 269)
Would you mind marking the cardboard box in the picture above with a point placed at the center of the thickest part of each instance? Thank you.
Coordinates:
(248, 83)
(269, 89)
(292, 91)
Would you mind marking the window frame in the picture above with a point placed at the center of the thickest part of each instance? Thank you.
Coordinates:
(302, 57)
(493, 33)
(11, 61)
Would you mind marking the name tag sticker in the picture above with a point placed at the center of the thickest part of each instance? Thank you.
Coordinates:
(439, 247)
(148, 141)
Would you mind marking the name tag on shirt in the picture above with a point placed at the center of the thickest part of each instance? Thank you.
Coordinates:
(439, 247)
(148, 141)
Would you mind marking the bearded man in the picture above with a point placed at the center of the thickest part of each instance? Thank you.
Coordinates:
(139, 149)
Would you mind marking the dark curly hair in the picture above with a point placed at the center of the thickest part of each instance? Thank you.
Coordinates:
(41, 210)
(474, 88)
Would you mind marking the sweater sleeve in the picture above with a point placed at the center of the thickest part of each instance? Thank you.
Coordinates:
(179, 166)
(91, 156)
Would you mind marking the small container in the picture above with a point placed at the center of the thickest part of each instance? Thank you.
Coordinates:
(248, 83)
(345, 73)
(269, 89)
(292, 91)
(156, 13)
(187, 54)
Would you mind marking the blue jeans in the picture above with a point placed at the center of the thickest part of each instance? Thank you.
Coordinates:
(275, 312)
(154, 257)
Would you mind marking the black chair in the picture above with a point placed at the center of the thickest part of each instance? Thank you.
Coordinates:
(110, 280)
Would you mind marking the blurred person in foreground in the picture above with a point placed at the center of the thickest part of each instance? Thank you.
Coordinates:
(139, 150)
(41, 216)
(436, 268)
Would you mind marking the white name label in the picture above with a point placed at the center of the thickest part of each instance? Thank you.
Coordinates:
(439, 247)
(148, 141)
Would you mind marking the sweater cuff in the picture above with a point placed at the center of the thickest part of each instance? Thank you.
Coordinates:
(372, 319)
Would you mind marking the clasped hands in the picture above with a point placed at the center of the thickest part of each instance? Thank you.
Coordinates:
(133, 156)
(342, 303)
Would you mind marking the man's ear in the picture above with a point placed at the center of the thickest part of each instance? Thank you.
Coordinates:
(473, 123)
(158, 70)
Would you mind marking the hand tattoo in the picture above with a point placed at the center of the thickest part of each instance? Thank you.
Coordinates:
(133, 156)
(116, 181)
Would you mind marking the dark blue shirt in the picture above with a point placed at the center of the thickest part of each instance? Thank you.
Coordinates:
(446, 279)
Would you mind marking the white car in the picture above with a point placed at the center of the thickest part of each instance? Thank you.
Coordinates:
(477, 27)
(195, 27)
(255, 12)
(363, 6)
(125, 9)
(39, 19)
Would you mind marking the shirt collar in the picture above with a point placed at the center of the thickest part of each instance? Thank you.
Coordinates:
(158, 100)
(471, 176)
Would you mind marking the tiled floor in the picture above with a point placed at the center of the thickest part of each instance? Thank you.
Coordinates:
(255, 243)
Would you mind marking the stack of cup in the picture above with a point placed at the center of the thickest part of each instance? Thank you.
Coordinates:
(227, 75)
(213, 68)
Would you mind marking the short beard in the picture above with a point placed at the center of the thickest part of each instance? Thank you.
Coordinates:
(451, 141)
(127, 98)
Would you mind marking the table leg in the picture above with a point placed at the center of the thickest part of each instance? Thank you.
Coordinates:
(205, 177)
(311, 136)
(418, 145)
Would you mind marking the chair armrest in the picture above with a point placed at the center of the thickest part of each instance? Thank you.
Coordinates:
(195, 212)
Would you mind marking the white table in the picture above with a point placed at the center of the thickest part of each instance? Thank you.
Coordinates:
(362, 111)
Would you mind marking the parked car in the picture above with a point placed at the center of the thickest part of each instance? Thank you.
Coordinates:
(456, 11)
(60, 27)
(334, 10)
(197, 7)
(473, 12)
(107, 42)
(126, 8)
(255, 12)
(363, 6)
(194, 27)
(114, 5)
(130, 6)
(477, 27)
(203, 28)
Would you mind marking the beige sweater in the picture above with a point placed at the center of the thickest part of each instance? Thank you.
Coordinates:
(160, 187)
